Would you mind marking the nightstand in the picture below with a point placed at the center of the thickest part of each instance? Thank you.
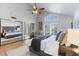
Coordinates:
(68, 51)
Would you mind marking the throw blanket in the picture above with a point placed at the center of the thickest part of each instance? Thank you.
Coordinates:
(36, 43)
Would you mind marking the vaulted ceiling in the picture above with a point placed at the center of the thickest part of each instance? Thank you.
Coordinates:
(61, 8)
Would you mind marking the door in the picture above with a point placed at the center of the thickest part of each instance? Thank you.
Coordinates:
(50, 28)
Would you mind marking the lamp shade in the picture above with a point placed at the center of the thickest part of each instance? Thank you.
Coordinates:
(73, 37)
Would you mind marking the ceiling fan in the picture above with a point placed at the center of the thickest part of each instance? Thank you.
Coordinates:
(36, 9)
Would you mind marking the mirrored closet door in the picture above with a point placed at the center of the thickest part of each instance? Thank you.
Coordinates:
(11, 31)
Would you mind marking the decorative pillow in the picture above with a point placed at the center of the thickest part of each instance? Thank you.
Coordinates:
(61, 37)
(58, 35)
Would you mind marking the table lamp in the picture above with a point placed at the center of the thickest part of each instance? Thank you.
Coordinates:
(72, 37)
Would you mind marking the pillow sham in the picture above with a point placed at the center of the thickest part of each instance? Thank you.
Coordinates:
(58, 35)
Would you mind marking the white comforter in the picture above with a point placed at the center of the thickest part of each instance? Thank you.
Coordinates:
(49, 45)
(44, 42)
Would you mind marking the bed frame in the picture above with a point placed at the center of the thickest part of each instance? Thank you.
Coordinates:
(41, 53)
(5, 41)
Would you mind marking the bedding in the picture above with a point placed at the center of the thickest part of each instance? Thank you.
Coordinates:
(52, 48)
(36, 43)
(43, 42)
(39, 44)
(11, 35)
(48, 45)
(58, 35)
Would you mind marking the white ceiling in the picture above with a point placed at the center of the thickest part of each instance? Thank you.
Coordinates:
(61, 8)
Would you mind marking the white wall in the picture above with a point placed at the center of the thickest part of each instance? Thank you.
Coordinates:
(19, 10)
(0, 10)
(76, 15)
(64, 21)
(76, 18)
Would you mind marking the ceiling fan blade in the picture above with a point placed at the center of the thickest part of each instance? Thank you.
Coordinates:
(39, 12)
(41, 8)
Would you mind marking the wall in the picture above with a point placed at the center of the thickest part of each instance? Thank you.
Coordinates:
(19, 10)
(63, 23)
(76, 19)
(76, 15)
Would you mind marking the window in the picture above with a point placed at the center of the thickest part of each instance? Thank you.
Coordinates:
(50, 18)
(50, 24)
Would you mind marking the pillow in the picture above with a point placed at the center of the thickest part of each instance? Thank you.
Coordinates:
(61, 37)
(58, 35)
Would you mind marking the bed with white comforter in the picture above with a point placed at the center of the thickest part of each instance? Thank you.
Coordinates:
(49, 45)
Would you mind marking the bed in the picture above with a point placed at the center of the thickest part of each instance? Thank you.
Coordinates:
(45, 45)
(11, 37)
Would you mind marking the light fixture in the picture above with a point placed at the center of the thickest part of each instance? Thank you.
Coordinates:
(72, 37)
(35, 9)
(35, 12)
